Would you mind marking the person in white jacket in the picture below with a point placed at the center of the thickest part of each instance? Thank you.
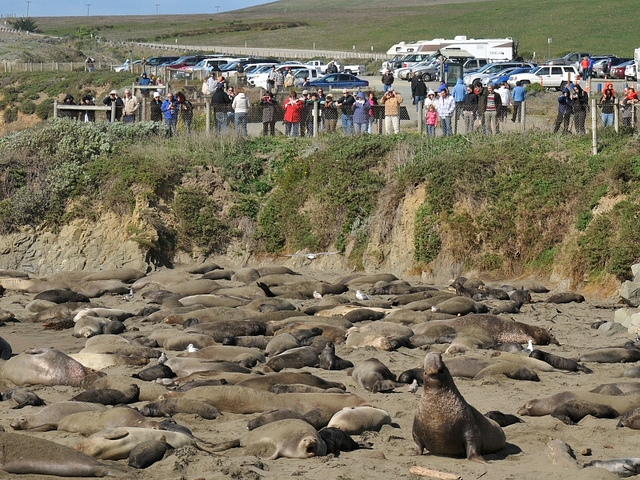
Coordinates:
(241, 106)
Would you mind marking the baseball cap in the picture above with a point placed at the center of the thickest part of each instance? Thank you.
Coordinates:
(113, 92)
(305, 92)
(156, 94)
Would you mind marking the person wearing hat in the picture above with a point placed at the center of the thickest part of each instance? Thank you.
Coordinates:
(360, 114)
(144, 81)
(311, 100)
(130, 108)
(87, 115)
(72, 114)
(156, 108)
(391, 101)
(346, 102)
(330, 114)
(430, 100)
(114, 99)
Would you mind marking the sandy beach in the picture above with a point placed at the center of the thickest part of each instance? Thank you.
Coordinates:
(526, 456)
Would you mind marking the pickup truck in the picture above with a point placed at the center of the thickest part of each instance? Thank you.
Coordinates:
(572, 58)
(322, 67)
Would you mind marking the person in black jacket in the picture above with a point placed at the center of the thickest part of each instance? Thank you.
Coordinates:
(580, 102)
(221, 103)
(156, 108)
(87, 115)
(114, 98)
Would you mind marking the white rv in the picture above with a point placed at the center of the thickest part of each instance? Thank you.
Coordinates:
(493, 49)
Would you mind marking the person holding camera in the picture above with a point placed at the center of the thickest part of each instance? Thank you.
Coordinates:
(346, 102)
(565, 109)
(292, 114)
(580, 102)
(391, 101)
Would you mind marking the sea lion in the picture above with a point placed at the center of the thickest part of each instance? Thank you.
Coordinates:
(147, 453)
(290, 438)
(49, 416)
(110, 396)
(355, 420)
(46, 366)
(170, 406)
(26, 454)
(446, 424)
(375, 376)
(330, 361)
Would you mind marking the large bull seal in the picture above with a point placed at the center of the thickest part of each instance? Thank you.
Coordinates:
(446, 424)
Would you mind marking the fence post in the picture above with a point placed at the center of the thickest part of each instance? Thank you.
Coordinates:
(55, 109)
(616, 116)
(315, 119)
(113, 112)
(523, 114)
(207, 107)
(594, 126)
(420, 107)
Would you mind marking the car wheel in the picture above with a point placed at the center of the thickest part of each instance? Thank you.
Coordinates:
(563, 85)
(347, 71)
(524, 83)
(426, 77)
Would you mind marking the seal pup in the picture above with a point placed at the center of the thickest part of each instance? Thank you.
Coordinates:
(330, 361)
(375, 376)
(22, 397)
(631, 420)
(623, 467)
(446, 424)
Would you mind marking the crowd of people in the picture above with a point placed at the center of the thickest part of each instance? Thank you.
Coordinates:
(473, 108)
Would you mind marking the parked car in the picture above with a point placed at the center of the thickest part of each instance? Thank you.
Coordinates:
(572, 58)
(599, 68)
(619, 71)
(504, 75)
(491, 69)
(208, 64)
(474, 64)
(548, 76)
(185, 61)
(395, 62)
(158, 61)
(338, 81)
(631, 72)
(614, 62)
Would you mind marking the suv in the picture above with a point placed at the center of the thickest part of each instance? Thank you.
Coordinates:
(473, 64)
(549, 76)
(572, 58)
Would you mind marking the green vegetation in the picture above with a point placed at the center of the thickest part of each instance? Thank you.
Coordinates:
(505, 204)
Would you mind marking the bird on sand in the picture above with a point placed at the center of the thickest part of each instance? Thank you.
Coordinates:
(413, 388)
(191, 348)
(163, 358)
(129, 296)
(317, 294)
(529, 348)
(360, 295)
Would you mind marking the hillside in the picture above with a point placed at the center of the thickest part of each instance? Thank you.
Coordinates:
(505, 206)
(361, 26)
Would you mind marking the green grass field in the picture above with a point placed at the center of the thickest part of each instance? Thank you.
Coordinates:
(339, 25)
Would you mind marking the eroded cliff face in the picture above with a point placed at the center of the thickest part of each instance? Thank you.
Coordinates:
(82, 245)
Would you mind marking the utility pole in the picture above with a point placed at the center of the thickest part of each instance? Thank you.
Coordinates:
(157, 7)
(87, 5)
(28, 3)
(217, 8)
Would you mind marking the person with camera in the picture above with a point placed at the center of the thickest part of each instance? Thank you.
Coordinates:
(292, 114)
(170, 109)
(565, 109)
(391, 101)
(346, 102)
(580, 102)
(387, 80)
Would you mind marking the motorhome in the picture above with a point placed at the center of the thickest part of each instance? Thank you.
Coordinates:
(492, 49)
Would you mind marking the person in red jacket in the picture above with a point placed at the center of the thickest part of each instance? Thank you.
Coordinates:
(292, 114)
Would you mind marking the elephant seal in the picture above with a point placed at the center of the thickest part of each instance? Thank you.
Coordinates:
(147, 453)
(61, 296)
(110, 396)
(611, 355)
(573, 411)
(408, 376)
(565, 297)
(290, 438)
(49, 417)
(446, 424)
(337, 440)
(294, 358)
(5, 349)
(623, 467)
(26, 454)
(46, 366)
(355, 420)
(632, 372)
(313, 417)
(330, 361)
(503, 419)
(154, 372)
(544, 406)
(117, 443)
(559, 362)
(265, 382)
(631, 420)
(93, 421)
(375, 376)
(170, 406)
(22, 397)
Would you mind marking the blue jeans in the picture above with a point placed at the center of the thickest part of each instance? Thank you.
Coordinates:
(417, 100)
(221, 121)
(240, 120)
(171, 123)
(445, 123)
(359, 128)
(431, 130)
(607, 119)
(291, 129)
(347, 124)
